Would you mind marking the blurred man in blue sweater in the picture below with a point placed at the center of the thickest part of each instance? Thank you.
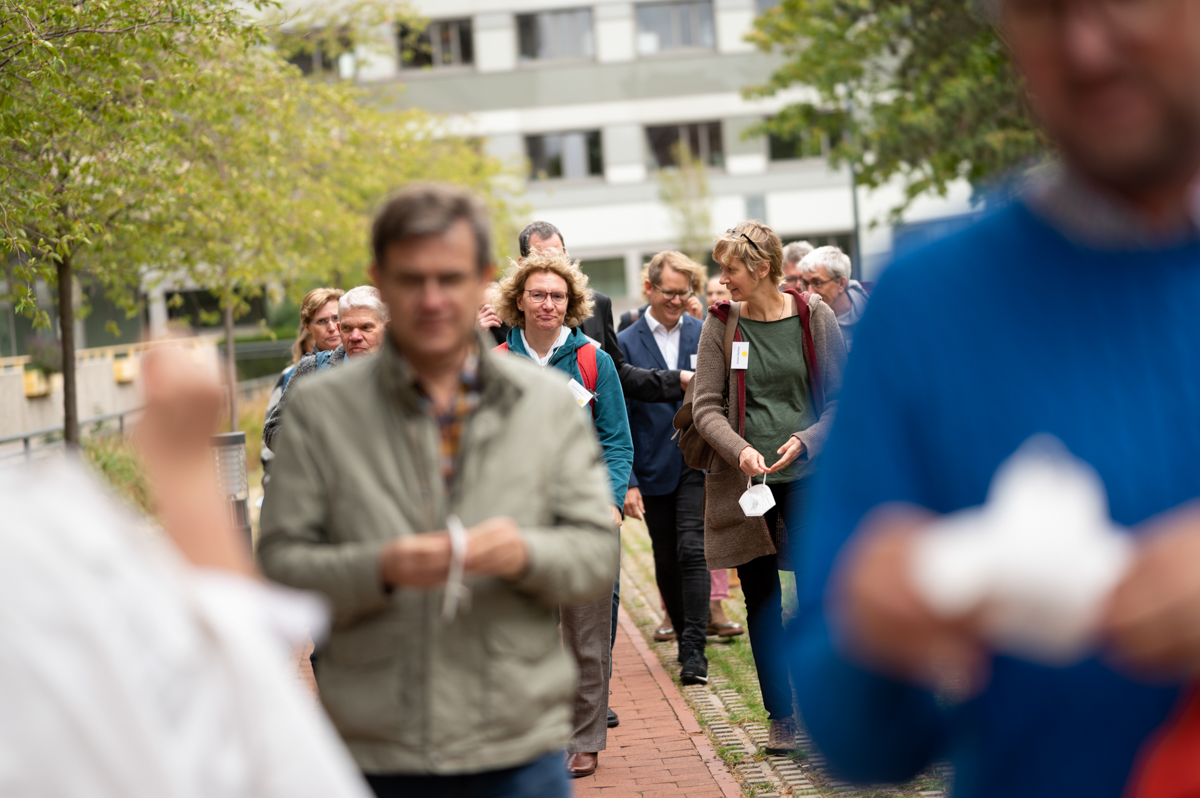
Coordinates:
(1096, 342)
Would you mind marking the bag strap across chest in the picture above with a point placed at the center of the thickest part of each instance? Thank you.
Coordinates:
(585, 359)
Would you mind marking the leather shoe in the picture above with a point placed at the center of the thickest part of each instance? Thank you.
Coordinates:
(664, 633)
(728, 629)
(582, 764)
(719, 623)
(613, 720)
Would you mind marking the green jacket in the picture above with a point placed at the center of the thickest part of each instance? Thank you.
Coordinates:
(356, 466)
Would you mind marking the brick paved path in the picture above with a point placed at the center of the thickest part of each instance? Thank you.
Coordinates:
(659, 750)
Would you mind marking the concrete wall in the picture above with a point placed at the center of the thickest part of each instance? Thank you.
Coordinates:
(99, 394)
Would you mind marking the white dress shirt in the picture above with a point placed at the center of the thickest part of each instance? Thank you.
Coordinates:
(563, 334)
(125, 672)
(667, 340)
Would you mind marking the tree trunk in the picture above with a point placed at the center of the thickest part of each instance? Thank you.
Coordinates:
(231, 368)
(66, 328)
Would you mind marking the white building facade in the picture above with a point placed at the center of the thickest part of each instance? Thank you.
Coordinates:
(586, 97)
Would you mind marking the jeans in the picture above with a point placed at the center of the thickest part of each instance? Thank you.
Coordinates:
(676, 524)
(764, 604)
(544, 777)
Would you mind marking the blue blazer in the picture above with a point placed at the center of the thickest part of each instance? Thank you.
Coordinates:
(657, 462)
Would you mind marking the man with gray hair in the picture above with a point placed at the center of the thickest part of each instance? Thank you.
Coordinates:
(826, 271)
(793, 253)
(362, 320)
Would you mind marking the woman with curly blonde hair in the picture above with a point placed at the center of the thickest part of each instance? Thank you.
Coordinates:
(544, 299)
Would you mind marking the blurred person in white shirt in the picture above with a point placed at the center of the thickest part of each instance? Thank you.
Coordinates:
(139, 662)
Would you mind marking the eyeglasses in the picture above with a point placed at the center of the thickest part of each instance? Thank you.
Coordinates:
(815, 283)
(671, 296)
(731, 231)
(328, 321)
(538, 297)
(792, 279)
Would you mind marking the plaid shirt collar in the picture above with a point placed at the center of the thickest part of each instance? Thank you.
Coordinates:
(452, 421)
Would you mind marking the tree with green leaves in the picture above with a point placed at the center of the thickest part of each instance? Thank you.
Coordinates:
(279, 178)
(920, 90)
(147, 139)
(80, 159)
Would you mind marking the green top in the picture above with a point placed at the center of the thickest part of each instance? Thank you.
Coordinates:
(778, 399)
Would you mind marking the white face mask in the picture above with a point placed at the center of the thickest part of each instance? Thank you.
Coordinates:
(757, 499)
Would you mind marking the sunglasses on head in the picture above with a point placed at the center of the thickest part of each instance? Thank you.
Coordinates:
(735, 232)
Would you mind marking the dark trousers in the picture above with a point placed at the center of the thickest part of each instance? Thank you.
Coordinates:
(764, 605)
(544, 777)
(676, 524)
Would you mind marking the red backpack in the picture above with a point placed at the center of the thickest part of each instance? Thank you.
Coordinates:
(585, 358)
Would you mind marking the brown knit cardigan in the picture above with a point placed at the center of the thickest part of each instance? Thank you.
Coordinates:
(730, 538)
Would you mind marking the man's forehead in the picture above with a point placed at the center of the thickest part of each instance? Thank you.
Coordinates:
(553, 242)
(457, 241)
(358, 316)
(669, 273)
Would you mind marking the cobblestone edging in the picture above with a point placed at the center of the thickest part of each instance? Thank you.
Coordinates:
(716, 704)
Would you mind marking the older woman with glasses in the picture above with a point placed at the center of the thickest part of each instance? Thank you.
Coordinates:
(765, 396)
(544, 300)
(318, 333)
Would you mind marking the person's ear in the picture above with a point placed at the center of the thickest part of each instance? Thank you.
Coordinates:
(373, 272)
(647, 286)
(489, 273)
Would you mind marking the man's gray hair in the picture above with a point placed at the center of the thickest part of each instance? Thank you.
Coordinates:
(795, 251)
(364, 296)
(833, 259)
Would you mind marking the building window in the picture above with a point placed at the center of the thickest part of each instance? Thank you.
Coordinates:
(675, 26)
(446, 43)
(316, 53)
(569, 155)
(815, 142)
(606, 275)
(555, 35)
(703, 139)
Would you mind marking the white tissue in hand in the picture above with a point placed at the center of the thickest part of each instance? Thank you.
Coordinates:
(1039, 558)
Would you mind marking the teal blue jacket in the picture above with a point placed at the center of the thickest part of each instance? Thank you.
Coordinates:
(608, 414)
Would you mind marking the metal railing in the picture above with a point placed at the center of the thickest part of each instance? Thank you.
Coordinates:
(117, 351)
(28, 451)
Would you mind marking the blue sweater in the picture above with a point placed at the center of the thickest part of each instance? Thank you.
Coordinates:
(969, 347)
(608, 415)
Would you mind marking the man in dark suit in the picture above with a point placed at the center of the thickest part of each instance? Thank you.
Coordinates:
(644, 385)
(662, 489)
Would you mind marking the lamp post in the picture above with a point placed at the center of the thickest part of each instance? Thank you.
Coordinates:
(229, 463)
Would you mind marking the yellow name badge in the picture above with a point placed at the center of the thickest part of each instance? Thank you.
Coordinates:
(741, 355)
(582, 395)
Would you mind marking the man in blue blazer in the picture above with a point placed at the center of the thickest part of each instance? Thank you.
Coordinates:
(662, 490)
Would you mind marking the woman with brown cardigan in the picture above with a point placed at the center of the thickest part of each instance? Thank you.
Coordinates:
(767, 421)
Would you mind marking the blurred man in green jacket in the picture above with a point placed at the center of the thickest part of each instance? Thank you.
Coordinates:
(432, 469)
